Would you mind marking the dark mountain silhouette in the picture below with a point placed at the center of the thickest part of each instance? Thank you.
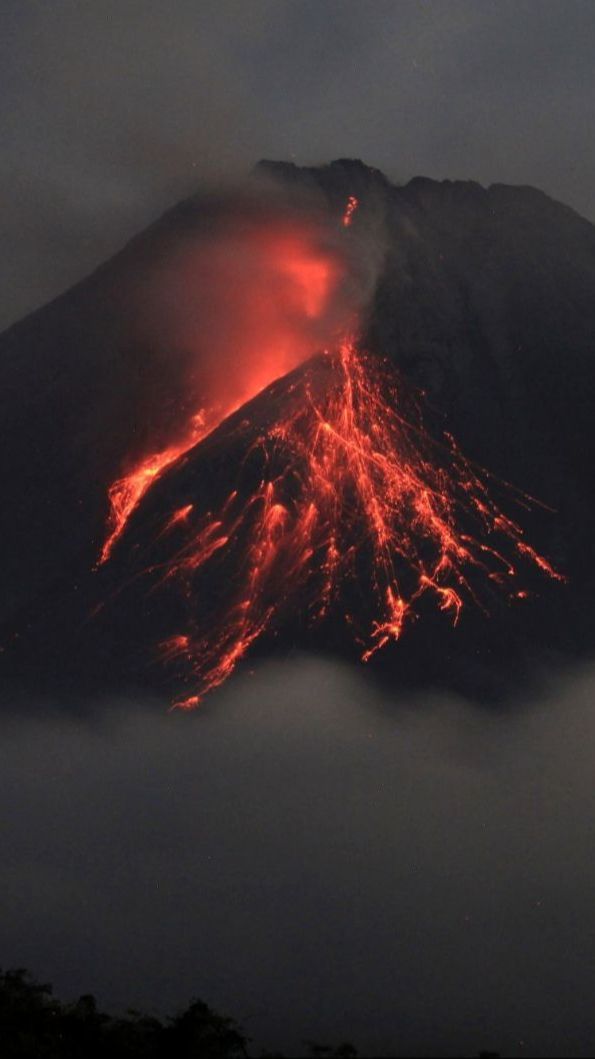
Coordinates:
(484, 299)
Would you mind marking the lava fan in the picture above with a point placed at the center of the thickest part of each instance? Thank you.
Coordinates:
(344, 510)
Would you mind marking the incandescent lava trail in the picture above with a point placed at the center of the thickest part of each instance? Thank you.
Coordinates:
(358, 515)
(352, 204)
(345, 509)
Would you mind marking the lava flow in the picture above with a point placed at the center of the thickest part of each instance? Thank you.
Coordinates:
(355, 513)
(126, 493)
(344, 507)
(352, 204)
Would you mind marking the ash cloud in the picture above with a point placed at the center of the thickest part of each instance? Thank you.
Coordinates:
(243, 287)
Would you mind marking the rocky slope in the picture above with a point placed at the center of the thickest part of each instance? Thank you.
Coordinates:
(483, 297)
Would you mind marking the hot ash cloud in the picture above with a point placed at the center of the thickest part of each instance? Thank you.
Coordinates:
(255, 289)
(248, 302)
(257, 282)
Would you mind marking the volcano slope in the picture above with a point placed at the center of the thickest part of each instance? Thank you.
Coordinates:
(483, 301)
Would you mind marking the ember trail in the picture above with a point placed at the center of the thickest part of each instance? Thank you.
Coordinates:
(344, 508)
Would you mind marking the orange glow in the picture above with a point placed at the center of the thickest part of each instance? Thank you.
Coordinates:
(281, 283)
(180, 515)
(358, 515)
(354, 490)
(352, 204)
(126, 493)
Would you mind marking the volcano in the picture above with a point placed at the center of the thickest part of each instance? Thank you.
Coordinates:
(373, 498)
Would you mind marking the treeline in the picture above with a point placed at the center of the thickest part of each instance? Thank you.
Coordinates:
(35, 1025)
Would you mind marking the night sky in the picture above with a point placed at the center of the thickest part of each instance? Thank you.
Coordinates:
(110, 112)
(312, 854)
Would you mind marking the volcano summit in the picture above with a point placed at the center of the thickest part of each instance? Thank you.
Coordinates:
(291, 417)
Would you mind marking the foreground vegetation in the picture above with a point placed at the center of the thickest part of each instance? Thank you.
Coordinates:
(35, 1025)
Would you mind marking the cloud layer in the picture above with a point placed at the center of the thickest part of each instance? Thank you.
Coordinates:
(317, 859)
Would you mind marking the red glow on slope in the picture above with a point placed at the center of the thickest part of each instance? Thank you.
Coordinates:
(352, 490)
(126, 493)
(357, 512)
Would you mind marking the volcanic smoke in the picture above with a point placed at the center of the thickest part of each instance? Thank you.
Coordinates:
(264, 291)
(345, 508)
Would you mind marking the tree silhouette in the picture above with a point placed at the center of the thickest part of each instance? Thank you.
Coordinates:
(34, 1025)
(200, 1031)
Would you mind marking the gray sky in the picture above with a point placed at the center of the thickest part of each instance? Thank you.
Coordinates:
(111, 111)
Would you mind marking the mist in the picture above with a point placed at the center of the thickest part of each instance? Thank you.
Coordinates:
(399, 854)
(317, 858)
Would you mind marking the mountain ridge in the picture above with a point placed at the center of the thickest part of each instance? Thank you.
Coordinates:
(483, 299)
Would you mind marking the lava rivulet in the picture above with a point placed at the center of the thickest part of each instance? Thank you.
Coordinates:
(344, 508)
(352, 204)
(126, 493)
(353, 513)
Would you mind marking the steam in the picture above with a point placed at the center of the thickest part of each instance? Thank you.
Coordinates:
(248, 294)
(252, 287)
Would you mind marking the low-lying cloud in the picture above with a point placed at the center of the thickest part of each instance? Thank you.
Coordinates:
(318, 858)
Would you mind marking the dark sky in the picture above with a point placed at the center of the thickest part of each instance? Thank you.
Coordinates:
(313, 856)
(110, 112)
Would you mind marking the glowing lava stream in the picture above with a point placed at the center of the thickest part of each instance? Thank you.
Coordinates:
(126, 493)
(353, 502)
(357, 512)
(352, 205)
